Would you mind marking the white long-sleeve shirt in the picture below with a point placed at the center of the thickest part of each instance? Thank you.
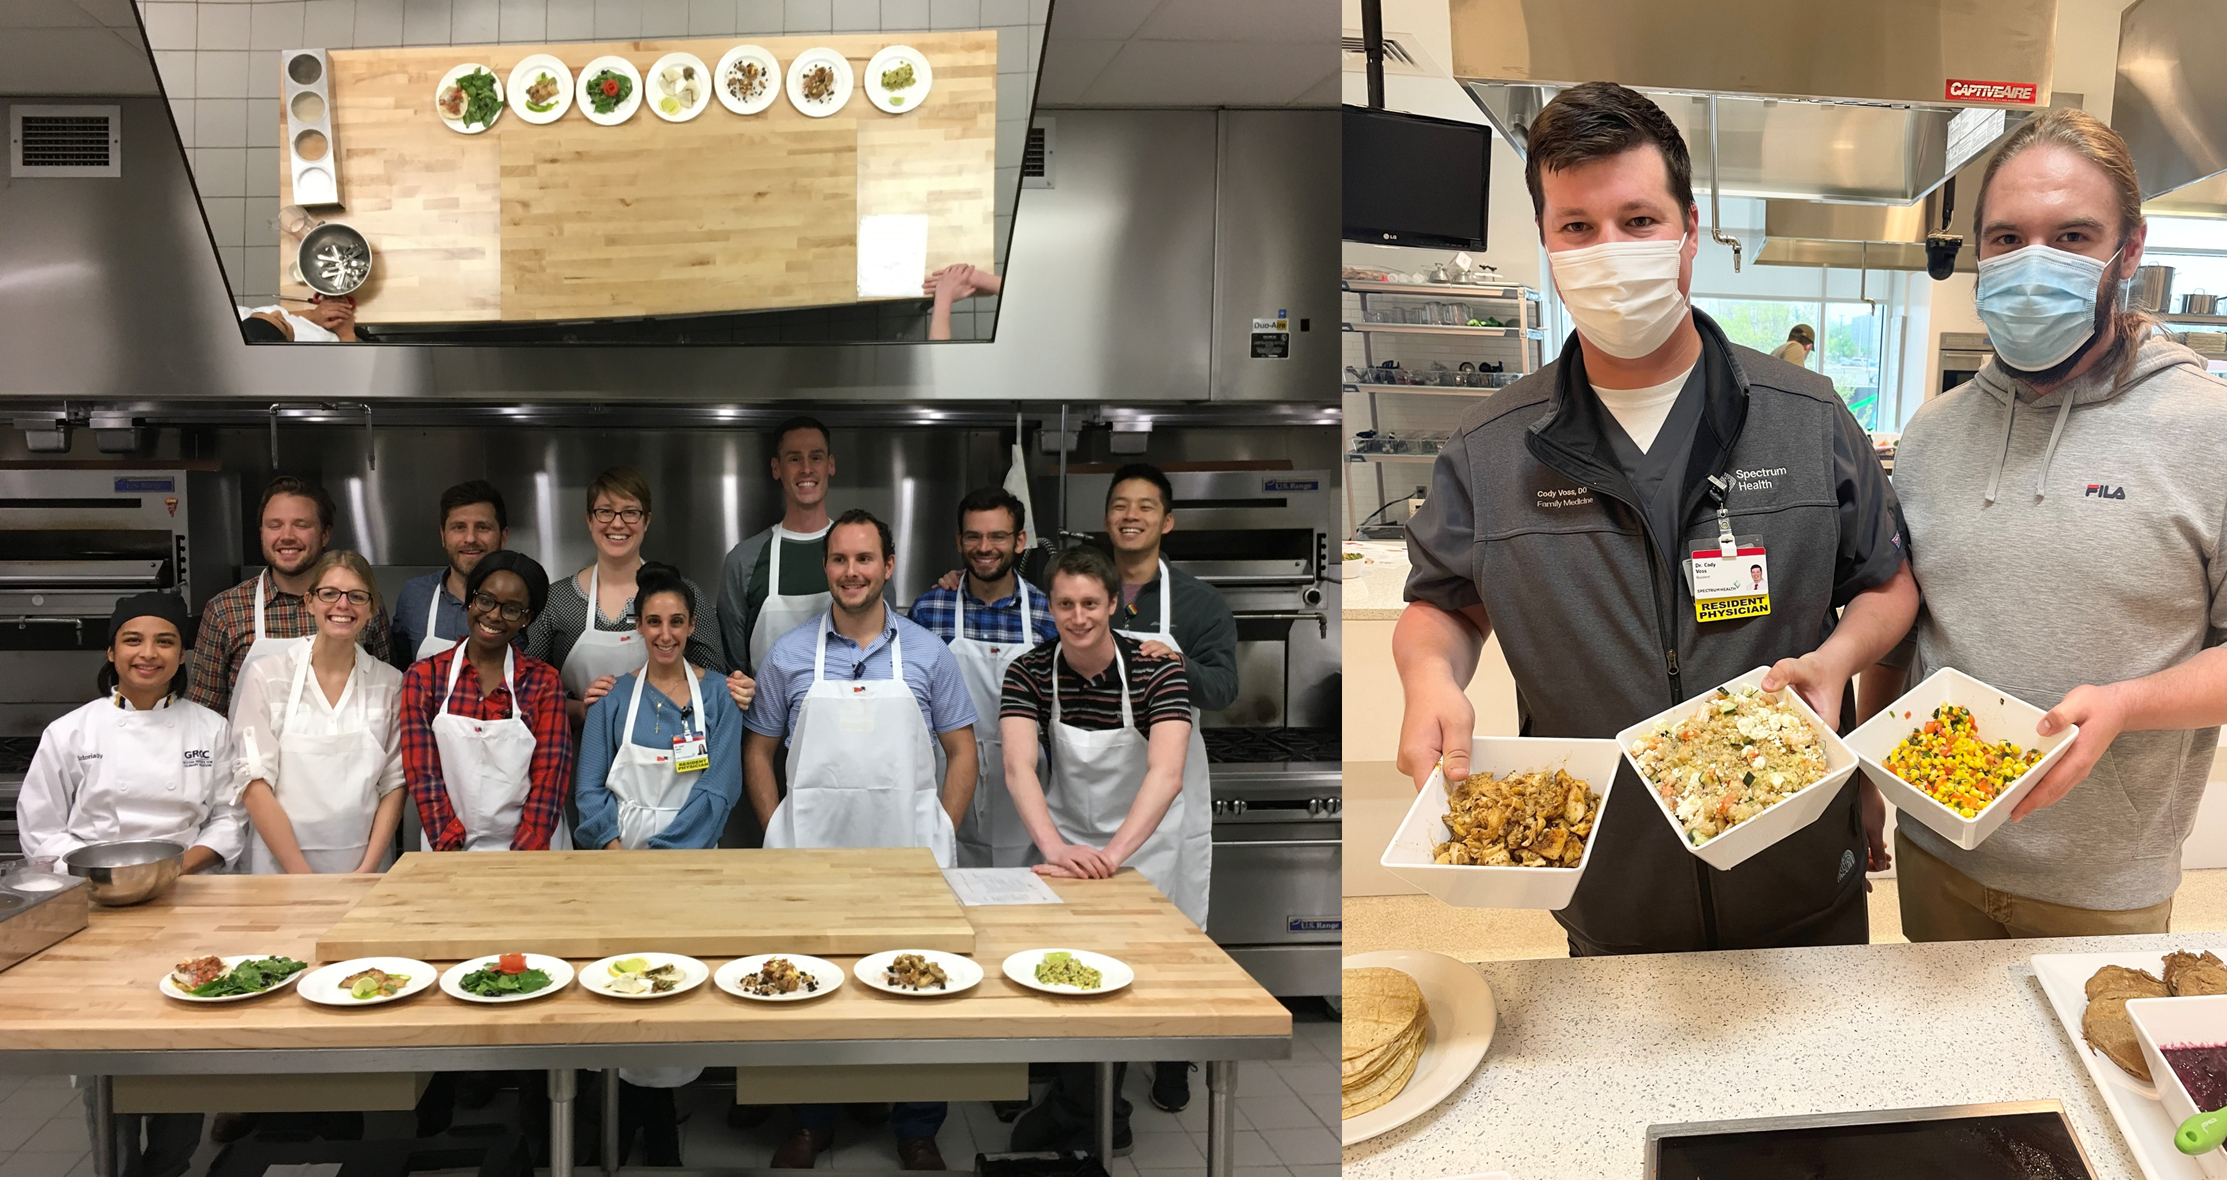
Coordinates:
(105, 771)
(371, 701)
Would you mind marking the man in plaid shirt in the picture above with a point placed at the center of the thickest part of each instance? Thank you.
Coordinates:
(991, 540)
(295, 522)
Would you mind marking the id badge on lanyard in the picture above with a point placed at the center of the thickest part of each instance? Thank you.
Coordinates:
(1732, 578)
(690, 752)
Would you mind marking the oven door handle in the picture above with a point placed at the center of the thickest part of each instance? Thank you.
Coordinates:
(1318, 618)
(1278, 843)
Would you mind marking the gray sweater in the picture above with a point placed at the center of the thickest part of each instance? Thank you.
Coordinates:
(2069, 539)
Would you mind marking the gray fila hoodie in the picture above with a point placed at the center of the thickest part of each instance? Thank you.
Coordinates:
(2066, 539)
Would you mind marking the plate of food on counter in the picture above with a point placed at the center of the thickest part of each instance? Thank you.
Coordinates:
(610, 90)
(469, 98)
(506, 978)
(898, 79)
(779, 979)
(359, 983)
(819, 82)
(748, 79)
(2106, 1003)
(643, 976)
(918, 973)
(1064, 971)
(223, 979)
(541, 88)
(680, 87)
(1414, 1025)
(1737, 769)
(1516, 833)
(1956, 754)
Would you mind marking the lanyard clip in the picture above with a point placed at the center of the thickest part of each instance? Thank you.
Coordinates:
(1726, 545)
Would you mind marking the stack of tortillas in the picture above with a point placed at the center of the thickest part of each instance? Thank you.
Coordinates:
(1383, 1030)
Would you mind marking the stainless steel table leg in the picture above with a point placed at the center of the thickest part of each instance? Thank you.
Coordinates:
(563, 1088)
(1106, 1113)
(104, 1126)
(1221, 1140)
(610, 1122)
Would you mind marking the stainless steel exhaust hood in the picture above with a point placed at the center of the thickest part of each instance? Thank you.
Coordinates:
(1858, 237)
(2170, 104)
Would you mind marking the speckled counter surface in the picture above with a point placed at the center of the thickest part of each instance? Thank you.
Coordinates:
(1590, 1052)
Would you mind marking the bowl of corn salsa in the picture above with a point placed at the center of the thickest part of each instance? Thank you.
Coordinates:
(1946, 757)
(1957, 754)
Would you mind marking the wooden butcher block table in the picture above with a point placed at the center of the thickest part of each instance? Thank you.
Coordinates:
(723, 213)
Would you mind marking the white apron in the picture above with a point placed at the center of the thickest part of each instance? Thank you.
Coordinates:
(861, 767)
(429, 646)
(596, 654)
(328, 786)
(781, 613)
(263, 647)
(1096, 775)
(990, 834)
(1198, 796)
(649, 790)
(485, 765)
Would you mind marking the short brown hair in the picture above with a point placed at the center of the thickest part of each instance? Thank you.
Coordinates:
(1088, 561)
(1597, 120)
(294, 485)
(620, 483)
(354, 563)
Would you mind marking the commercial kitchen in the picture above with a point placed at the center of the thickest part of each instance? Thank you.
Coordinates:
(1830, 147)
(984, 245)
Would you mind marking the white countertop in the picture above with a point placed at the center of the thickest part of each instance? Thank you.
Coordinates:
(1590, 1052)
(1371, 587)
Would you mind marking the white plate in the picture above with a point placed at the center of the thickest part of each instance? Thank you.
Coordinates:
(1020, 967)
(523, 75)
(456, 72)
(804, 63)
(322, 986)
(766, 94)
(1408, 856)
(1774, 823)
(703, 86)
(560, 977)
(596, 976)
(1458, 1029)
(729, 978)
(624, 110)
(962, 973)
(900, 101)
(1999, 717)
(169, 987)
(2133, 1103)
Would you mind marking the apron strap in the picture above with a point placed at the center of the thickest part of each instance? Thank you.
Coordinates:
(634, 703)
(294, 697)
(819, 653)
(595, 603)
(259, 580)
(959, 611)
(1167, 614)
(896, 651)
(433, 607)
(1020, 587)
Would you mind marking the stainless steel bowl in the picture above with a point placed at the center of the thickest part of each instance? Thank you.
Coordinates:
(127, 872)
(333, 240)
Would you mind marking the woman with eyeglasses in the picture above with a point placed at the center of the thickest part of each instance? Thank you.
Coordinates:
(317, 754)
(588, 630)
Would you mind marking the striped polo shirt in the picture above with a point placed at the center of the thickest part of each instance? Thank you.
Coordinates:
(1159, 690)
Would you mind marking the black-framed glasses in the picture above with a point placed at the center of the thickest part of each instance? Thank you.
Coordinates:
(509, 612)
(629, 515)
(332, 594)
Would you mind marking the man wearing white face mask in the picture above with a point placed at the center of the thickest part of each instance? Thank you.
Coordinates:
(1603, 517)
(2067, 509)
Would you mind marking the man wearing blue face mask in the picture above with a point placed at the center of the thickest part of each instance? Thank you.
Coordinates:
(2066, 512)
(1655, 513)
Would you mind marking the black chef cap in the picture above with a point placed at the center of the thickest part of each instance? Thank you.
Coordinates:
(528, 570)
(161, 606)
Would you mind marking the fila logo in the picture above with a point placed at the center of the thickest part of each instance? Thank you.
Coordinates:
(2104, 491)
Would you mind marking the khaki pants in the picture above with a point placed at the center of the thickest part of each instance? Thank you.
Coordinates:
(1940, 904)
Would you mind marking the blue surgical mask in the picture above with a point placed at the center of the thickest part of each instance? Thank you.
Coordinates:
(2039, 304)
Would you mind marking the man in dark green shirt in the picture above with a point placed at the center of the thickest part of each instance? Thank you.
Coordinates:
(753, 609)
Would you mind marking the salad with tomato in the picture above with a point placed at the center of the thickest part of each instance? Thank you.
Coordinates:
(609, 90)
(508, 975)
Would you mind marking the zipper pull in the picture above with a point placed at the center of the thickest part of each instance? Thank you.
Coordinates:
(1671, 657)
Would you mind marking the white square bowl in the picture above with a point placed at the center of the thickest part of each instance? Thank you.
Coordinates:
(1999, 716)
(2179, 1020)
(1508, 887)
(1773, 823)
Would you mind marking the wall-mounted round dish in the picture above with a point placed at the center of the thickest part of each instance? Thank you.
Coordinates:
(816, 93)
(595, 74)
(908, 69)
(747, 95)
(540, 69)
(451, 102)
(687, 92)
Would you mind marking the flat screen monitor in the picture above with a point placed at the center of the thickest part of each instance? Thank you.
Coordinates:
(1412, 180)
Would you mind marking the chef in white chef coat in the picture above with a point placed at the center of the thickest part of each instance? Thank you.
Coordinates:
(141, 762)
(318, 737)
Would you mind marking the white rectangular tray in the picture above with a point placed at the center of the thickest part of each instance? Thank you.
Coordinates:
(1998, 715)
(2133, 1103)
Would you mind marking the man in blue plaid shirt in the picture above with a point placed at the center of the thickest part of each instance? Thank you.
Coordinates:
(1003, 618)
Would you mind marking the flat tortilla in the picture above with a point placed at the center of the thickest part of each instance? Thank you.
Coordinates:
(1380, 1091)
(1380, 1006)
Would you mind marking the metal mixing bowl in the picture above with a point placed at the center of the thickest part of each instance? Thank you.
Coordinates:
(332, 234)
(127, 872)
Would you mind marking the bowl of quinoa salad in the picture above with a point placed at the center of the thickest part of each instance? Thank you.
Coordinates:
(1736, 769)
(1988, 717)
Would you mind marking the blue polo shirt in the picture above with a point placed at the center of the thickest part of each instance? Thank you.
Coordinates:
(931, 672)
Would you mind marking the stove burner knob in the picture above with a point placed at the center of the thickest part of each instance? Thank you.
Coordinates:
(1334, 805)
(1314, 809)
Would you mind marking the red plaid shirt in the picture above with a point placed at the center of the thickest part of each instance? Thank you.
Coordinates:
(228, 630)
(541, 706)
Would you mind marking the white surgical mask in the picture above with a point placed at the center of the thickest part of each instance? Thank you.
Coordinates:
(1623, 295)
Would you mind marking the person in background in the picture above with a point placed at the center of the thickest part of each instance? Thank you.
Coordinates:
(1799, 341)
(588, 630)
(257, 617)
(2106, 612)
(989, 622)
(1119, 729)
(318, 738)
(768, 589)
(141, 762)
(328, 320)
(488, 756)
(861, 669)
(958, 281)
(429, 612)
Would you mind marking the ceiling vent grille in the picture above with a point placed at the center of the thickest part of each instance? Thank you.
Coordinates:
(1036, 154)
(1401, 55)
(64, 141)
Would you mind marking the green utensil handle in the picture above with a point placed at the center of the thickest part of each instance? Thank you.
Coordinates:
(2201, 1133)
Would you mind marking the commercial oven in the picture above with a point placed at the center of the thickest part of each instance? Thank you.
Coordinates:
(1963, 355)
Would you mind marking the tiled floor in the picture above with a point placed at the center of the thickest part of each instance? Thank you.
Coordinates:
(1286, 1125)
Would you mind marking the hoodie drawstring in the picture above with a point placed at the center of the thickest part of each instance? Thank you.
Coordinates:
(2064, 412)
(1995, 480)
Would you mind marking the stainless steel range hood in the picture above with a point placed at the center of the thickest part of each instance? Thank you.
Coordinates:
(1858, 237)
(2170, 103)
(1874, 101)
